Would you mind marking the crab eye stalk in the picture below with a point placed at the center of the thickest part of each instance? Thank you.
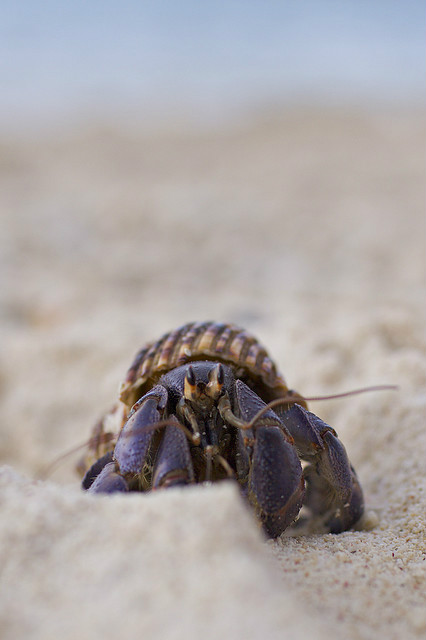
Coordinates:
(217, 378)
(190, 386)
(220, 374)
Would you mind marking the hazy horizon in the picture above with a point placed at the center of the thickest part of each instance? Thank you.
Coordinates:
(60, 59)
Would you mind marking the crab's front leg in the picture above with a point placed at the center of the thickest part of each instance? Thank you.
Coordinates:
(172, 464)
(275, 485)
(334, 495)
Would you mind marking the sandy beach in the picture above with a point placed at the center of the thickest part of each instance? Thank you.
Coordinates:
(307, 228)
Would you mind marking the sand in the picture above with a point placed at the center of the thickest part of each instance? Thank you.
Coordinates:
(307, 228)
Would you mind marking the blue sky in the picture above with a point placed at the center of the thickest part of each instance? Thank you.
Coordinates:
(63, 57)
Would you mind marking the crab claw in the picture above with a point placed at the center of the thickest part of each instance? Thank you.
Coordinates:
(275, 481)
(276, 485)
(135, 439)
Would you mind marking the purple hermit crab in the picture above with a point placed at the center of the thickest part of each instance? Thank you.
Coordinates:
(194, 408)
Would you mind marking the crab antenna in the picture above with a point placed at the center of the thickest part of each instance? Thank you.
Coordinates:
(50, 468)
(225, 465)
(292, 399)
(107, 437)
(172, 422)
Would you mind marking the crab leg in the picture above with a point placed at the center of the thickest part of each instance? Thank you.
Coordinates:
(109, 480)
(334, 495)
(94, 471)
(173, 465)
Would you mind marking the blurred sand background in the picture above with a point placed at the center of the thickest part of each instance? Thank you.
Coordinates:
(305, 224)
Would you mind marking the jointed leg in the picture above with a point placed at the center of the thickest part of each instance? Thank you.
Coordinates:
(334, 495)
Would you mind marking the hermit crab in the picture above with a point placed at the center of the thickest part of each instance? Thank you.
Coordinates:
(205, 403)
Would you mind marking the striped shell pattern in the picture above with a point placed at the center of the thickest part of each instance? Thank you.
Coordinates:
(226, 343)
